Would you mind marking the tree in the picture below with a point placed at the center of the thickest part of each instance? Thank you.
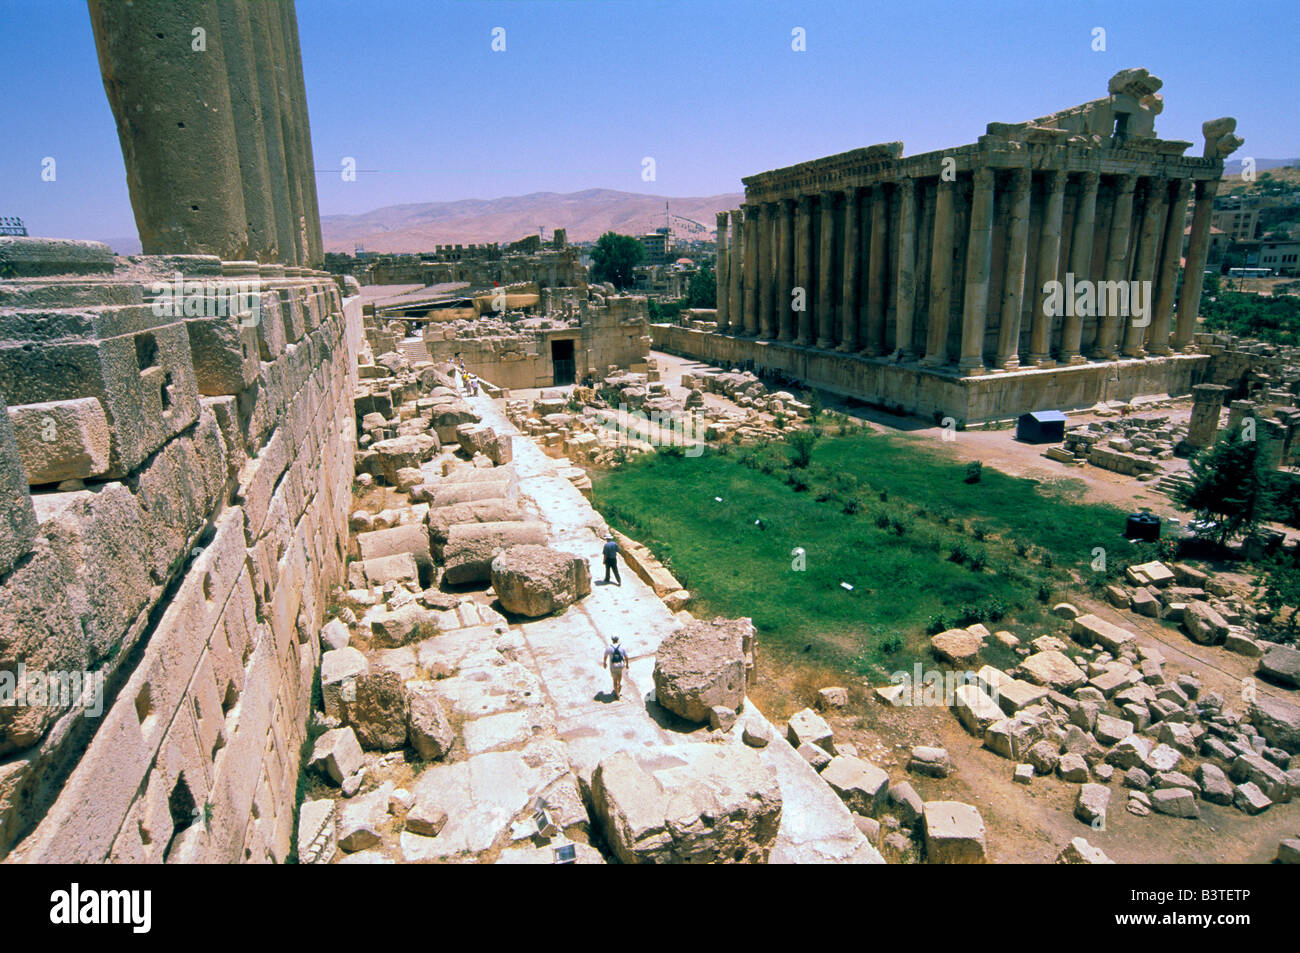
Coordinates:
(1231, 486)
(614, 257)
(703, 290)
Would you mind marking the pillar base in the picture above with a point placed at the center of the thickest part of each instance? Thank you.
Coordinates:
(1161, 351)
(802, 342)
(1138, 353)
(1105, 354)
(971, 367)
(1041, 360)
(848, 347)
(1010, 363)
(825, 344)
(901, 355)
(934, 361)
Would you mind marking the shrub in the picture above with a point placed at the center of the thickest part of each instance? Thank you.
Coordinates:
(959, 554)
(979, 532)
(978, 560)
(974, 471)
(798, 480)
(899, 526)
(938, 623)
(673, 450)
(882, 519)
(801, 444)
(851, 505)
(1044, 593)
(891, 644)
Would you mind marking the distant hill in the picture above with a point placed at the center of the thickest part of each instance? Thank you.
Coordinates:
(1233, 166)
(586, 215)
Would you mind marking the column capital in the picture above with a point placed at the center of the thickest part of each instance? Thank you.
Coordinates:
(906, 187)
(722, 221)
(1021, 178)
(804, 202)
(982, 176)
(826, 197)
(1056, 179)
(1126, 182)
(1090, 181)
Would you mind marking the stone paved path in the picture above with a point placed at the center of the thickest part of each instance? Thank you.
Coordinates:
(566, 653)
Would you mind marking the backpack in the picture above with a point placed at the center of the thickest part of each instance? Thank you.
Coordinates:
(616, 656)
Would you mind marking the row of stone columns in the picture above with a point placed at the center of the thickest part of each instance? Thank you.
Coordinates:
(767, 287)
(211, 111)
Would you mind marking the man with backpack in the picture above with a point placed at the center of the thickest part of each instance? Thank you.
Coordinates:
(616, 659)
(611, 559)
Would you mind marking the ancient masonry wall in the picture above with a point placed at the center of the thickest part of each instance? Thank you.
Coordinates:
(182, 484)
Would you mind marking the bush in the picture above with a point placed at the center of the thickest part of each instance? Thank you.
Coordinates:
(1044, 593)
(974, 471)
(882, 519)
(891, 644)
(673, 450)
(801, 444)
(938, 623)
(978, 560)
(979, 532)
(959, 554)
(851, 506)
(899, 526)
(798, 481)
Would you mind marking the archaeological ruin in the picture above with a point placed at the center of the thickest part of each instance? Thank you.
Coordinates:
(925, 283)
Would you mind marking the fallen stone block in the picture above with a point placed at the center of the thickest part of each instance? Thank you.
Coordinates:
(1079, 851)
(954, 833)
(860, 785)
(536, 581)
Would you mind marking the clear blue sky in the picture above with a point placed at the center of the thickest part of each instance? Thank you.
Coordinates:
(712, 90)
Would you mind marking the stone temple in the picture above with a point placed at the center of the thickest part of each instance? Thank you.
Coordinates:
(918, 282)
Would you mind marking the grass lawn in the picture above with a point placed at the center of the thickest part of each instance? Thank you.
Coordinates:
(879, 513)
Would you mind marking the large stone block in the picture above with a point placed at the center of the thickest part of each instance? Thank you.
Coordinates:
(534, 581)
(1277, 720)
(710, 804)
(225, 353)
(62, 440)
(954, 833)
(17, 517)
(702, 666)
(471, 547)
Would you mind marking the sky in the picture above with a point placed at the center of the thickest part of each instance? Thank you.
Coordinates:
(583, 92)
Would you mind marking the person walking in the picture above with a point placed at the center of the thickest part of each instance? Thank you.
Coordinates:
(616, 661)
(611, 559)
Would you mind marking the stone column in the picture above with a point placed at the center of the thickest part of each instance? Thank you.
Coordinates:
(979, 253)
(826, 273)
(1081, 238)
(766, 271)
(1204, 423)
(803, 256)
(1239, 410)
(736, 269)
(752, 252)
(784, 275)
(849, 299)
(874, 339)
(905, 271)
(1167, 279)
(293, 163)
(175, 124)
(1153, 224)
(267, 66)
(240, 53)
(1049, 254)
(1013, 281)
(721, 277)
(298, 89)
(1116, 264)
(1198, 253)
(936, 338)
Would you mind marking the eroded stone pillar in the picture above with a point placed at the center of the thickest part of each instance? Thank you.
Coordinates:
(905, 271)
(267, 67)
(766, 270)
(1204, 423)
(1198, 253)
(293, 164)
(1116, 265)
(175, 123)
(979, 252)
(752, 251)
(849, 297)
(1081, 239)
(1013, 281)
(874, 339)
(736, 266)
(1049, 255)
(721, 275)
(784, 274)
(1167, 278)
(941, 247)
(298, 89)
(826, 272)
(803, 255)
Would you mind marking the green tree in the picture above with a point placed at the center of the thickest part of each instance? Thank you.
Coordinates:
(703, 290)
(1231, 486)
(1282, 589)
(801, 443)
(614, 257)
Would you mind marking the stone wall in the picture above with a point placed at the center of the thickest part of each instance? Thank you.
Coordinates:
(915, 390)
(195, 476)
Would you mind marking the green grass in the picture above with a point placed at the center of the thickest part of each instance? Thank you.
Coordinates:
(908, 548)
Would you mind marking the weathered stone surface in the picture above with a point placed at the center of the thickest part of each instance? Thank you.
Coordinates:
(17, 516)
(1204, 624)
(1079, 851)
(1176, 802)
(317, 833)
(1093, 630)
(425, 818)
(807, 727)
(338, 754)
(1281, 663)
(1288, 851)
(1278, 721)
(1249, 799)
(702, 665)
(1072, 768)
(535, 581)
(974, 709)
(362, 819)
(861, 785)
(1271, 779)
(1215, 786)
(956, 646)
(714, 804)
(378, 713)
(339, 670)
(1110, 730)
(62, 440)
(930, 761)
(1054, 670)
(815, 755)
(1091, 802)
(402, 626)
(904, 803)
(831, 698)
(471, 547)
(427, 727)
(954, 833)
